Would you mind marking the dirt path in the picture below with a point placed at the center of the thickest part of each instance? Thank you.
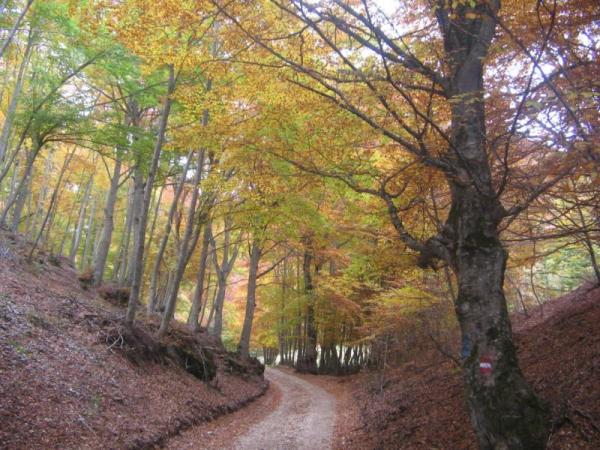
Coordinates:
(294, 415)
(304, 419)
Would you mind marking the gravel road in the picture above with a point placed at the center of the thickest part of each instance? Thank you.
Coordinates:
(294, 414)
(303, 419)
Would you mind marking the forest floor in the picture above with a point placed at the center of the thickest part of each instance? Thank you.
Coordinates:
(70, 378)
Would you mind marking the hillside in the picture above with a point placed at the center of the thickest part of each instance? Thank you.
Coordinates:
(421, 405)
(73, 377)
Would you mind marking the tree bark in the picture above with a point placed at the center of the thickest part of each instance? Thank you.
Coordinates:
(190, 239)
(52, 203)
(88, 247)
(137, 204)
(120, 266)
(193, 318)
(80, 221)
(136, 283)
(505, 412)
(108, 224)
(222, 270)
(12, 107)
(244, 345)
(308, 361)
(165, 239)
(22, 190)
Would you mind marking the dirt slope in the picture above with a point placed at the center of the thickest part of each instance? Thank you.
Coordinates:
(70, 379)
(422, 406)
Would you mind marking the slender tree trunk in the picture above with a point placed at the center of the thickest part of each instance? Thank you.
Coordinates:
(165, 239)
(12, 107)
(190, 239)
(217, 312)
(151, 232)
(108, 225)
(120, 267)
(136, 283)
(137, 205)
(52, 203)
(80, 221)
(40, 209)
(15, 27)
(223, 270)
(89, 237)
(211, 314)
(196, 307)
(22, 189)
(65, 233)
(206, 296)
(244, 345)
(308, 362)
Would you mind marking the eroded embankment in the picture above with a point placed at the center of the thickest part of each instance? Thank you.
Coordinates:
(72, 376)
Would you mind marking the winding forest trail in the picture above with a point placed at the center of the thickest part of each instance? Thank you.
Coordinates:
(304, 418)
(294, 415)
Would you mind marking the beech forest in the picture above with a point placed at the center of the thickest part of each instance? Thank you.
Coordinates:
(382, 213)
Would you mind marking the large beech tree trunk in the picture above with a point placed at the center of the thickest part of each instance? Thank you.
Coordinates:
(504, 410)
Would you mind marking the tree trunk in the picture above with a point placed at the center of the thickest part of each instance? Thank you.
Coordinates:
(308, 361)
(137, 204)
(89, 238)
(80, 221)
(12, 107)
(15, 27)
(136, 282)
(504, 411)
(108, 225)
(120, 267)
(156, 211)
(244, 345)
(196, 307)
(223, 270)
(190, 239)
(52, 203)
(165, 239)
(22, 189)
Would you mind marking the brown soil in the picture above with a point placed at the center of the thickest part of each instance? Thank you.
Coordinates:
(421, 404)
(71, 376)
